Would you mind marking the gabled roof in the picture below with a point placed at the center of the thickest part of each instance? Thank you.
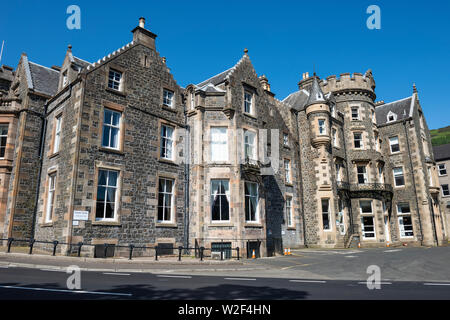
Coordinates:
(210, 88)
(80, 62)
(441, 152)
(401, 108)
(297, 100)
(41, 79)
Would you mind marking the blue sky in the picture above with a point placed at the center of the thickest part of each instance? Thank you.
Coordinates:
(284, 38)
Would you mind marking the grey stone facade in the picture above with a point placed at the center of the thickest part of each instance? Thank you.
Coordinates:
(275, 156)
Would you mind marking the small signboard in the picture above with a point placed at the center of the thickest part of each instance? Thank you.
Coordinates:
(75, 223)
(80, 215)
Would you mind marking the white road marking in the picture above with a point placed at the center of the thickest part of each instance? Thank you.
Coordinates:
(68, 291)
(351, 257)
(382, 282)
(53, 270)
(240, 279)
(394, 250)
(4, 267)
(116, 274)
(182, 277)
(309, 281)
(436, 284)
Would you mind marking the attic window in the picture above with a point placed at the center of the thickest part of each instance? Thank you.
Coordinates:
(391, 116)
(64, 83)
(115, 80)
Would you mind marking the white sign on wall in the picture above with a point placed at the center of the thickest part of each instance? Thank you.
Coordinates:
(80, 215)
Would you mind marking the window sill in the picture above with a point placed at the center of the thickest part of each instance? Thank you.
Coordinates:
(166, 225)
(119, 93)
(53, 155)
(110, 150)
(172, 162)
(253, 225)
(220, 225)
(291, 228)
(46, 225)
(249, 115)
(169, 108)
(289, 184)
(106, 223)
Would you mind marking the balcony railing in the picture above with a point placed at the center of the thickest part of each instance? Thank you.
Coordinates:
(341, 185)
(383, 187)
(251, 165)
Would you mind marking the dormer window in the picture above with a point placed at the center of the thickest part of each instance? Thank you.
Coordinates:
(115, 80)
(65, 80)
(391, 116)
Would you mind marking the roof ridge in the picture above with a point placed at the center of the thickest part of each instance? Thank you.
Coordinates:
(218, 74)
(39, 65)
(245, 56)
(393, 102)
(82, 60)
(100, 61)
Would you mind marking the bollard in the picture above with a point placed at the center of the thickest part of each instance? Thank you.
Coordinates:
(32, 241)
(106, 249)
(201, 253)
(237, 251)
(10, 241)
(80, 244)
(131, 252)
(179, 252)
(221, 253)
(156, 253)
(55, 244)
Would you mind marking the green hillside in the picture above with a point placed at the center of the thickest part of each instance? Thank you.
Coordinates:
(440, 136)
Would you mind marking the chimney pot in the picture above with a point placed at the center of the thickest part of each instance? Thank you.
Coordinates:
(142, 22)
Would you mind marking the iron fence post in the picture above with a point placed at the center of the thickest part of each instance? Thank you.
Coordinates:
(106, 249)
(80, 244)
(156, 253)
(32, 241)
(55, 244)
(179, 252)
(10, 241)
(201, 253)
(131, 252)
(237, 251)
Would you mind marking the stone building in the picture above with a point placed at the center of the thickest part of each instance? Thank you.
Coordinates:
(442, 158)
(117, 152)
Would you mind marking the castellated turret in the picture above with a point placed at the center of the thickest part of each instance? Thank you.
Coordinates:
(348, 83)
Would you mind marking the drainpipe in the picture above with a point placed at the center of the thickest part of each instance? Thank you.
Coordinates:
(41, 150)
(350, 212)
(186, 181)
(414, 181)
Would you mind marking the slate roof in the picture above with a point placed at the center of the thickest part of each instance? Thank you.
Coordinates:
(297, 100)
(43, 80)
(211, 88)
(80, 62)
(402, 108)
(441, 152)
(218, 78)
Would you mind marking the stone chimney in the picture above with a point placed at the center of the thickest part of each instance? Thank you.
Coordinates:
(144, 36)
(305, 75)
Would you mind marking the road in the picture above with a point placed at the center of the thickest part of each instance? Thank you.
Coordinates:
(23, 283)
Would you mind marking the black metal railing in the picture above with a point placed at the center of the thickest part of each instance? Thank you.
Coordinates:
(371, 187)
(158, 251)
(343, 185)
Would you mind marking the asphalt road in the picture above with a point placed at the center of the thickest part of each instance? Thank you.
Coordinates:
(21, 283)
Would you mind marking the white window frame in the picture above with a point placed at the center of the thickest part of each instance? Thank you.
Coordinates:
(393, 115)
(364, 174)
(367, 215)
(167, 142)
(226, 194)
(166, 193)
(334, 137)
(250, 197)
(248, 102)
(352, 113)
(111, 127)
(443, 168)
(399, 174)
(4, 137)
(168, 98)
(392, 144)
(219, 147)
(250, 146)
(115, 80)
(322, 127)
(65, 79)
(287, 171)
(56, 142)
(326, 213)
(107, 186)
(50, 197)
(380, 174)
(285, 139)
(361, 144)
(401, 224)
(338, 171)
(289, 211)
